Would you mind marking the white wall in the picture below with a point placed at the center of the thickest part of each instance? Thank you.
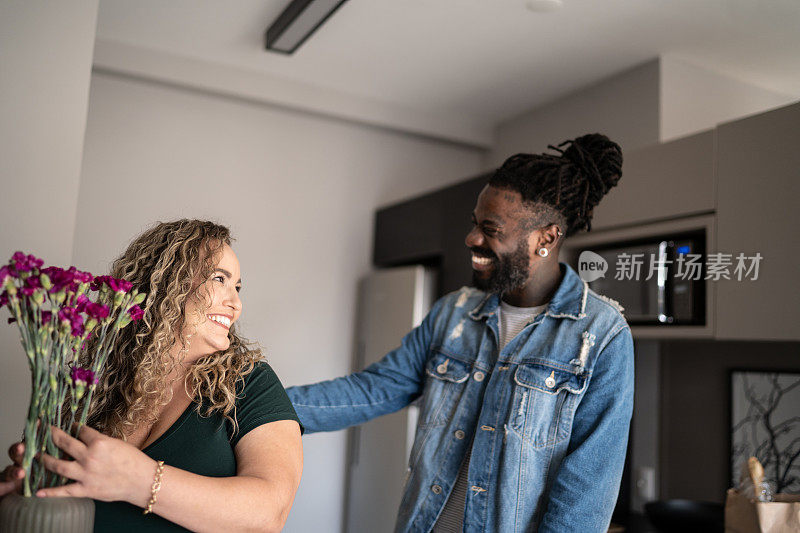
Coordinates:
(694, 98)
(299, 193)
(261, 87)
(624, 107)
(45, 62)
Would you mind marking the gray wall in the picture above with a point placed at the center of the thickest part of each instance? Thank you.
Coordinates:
(694, 98)
(695, 401)
(644, 425)
(299, 193)
(45, 62)
(663, 99)
(625, 107)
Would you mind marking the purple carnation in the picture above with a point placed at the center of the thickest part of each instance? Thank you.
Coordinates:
(3, 298)
(46, 316)
(136, 313)
(71, 316)
(82, 376)
(65, 314)
(60, 278)
(120, 285)
(81, 303)
(32, 284)
(20, 262)
(5, 272)
(116, 285)
(97, 311)
(66, 279)
(81, 276)
(52, 271)
(25, 263)
(94, 310)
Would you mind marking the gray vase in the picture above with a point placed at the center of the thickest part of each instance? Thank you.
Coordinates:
(19, 514)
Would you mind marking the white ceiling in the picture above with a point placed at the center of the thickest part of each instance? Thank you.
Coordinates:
(482, 60)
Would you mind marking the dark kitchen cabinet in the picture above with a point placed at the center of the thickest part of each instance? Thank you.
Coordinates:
(409, 232)
(430, 229)
(456, 265)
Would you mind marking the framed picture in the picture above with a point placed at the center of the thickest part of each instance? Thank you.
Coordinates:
(765, 423)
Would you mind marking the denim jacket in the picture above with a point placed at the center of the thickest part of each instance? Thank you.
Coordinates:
(549, 414)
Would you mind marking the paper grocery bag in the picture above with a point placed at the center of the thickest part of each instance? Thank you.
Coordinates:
(743, 515)
(740, 514)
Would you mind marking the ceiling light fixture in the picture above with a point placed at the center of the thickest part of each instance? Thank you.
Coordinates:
(298, 22)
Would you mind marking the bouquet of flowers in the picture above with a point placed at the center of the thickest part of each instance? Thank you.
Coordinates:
(57, 311)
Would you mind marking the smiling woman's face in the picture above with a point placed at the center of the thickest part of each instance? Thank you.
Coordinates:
(207, 325)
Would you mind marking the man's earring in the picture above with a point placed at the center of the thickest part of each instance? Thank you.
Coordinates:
(543, 252)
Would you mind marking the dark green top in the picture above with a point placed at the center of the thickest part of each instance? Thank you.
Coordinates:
(204, 446)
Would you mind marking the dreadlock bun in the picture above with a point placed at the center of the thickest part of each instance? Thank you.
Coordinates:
(597, 163)
(572, 183)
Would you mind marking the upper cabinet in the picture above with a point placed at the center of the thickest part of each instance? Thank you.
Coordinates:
(409, 232)
(758, 170)
(430, 229)
(660, 182)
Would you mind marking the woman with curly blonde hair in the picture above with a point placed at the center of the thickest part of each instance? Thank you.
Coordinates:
(191, 424)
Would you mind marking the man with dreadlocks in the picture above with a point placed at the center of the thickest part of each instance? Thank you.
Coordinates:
(525, 382)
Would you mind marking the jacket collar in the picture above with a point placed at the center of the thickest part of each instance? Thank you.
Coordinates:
(569, 301)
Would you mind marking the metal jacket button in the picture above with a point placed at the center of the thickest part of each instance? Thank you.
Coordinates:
(442, 368)
(436, 489)
(479, 376)
(551, 380)
(459, 434)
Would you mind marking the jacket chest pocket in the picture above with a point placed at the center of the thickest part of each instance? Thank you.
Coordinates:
(544, 403)
(445, 379)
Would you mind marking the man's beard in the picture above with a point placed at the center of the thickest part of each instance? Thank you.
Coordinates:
(509, 272)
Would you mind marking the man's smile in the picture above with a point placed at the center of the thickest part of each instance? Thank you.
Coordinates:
(480, 262)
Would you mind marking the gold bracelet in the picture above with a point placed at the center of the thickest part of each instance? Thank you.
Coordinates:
(155, 488)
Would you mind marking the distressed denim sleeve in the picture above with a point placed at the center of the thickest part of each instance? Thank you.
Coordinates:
(383, 387)
(586, 484)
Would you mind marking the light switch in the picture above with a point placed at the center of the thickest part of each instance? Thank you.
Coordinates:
(646, 483)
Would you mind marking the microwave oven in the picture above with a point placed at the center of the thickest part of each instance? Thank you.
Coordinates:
(667, 288)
